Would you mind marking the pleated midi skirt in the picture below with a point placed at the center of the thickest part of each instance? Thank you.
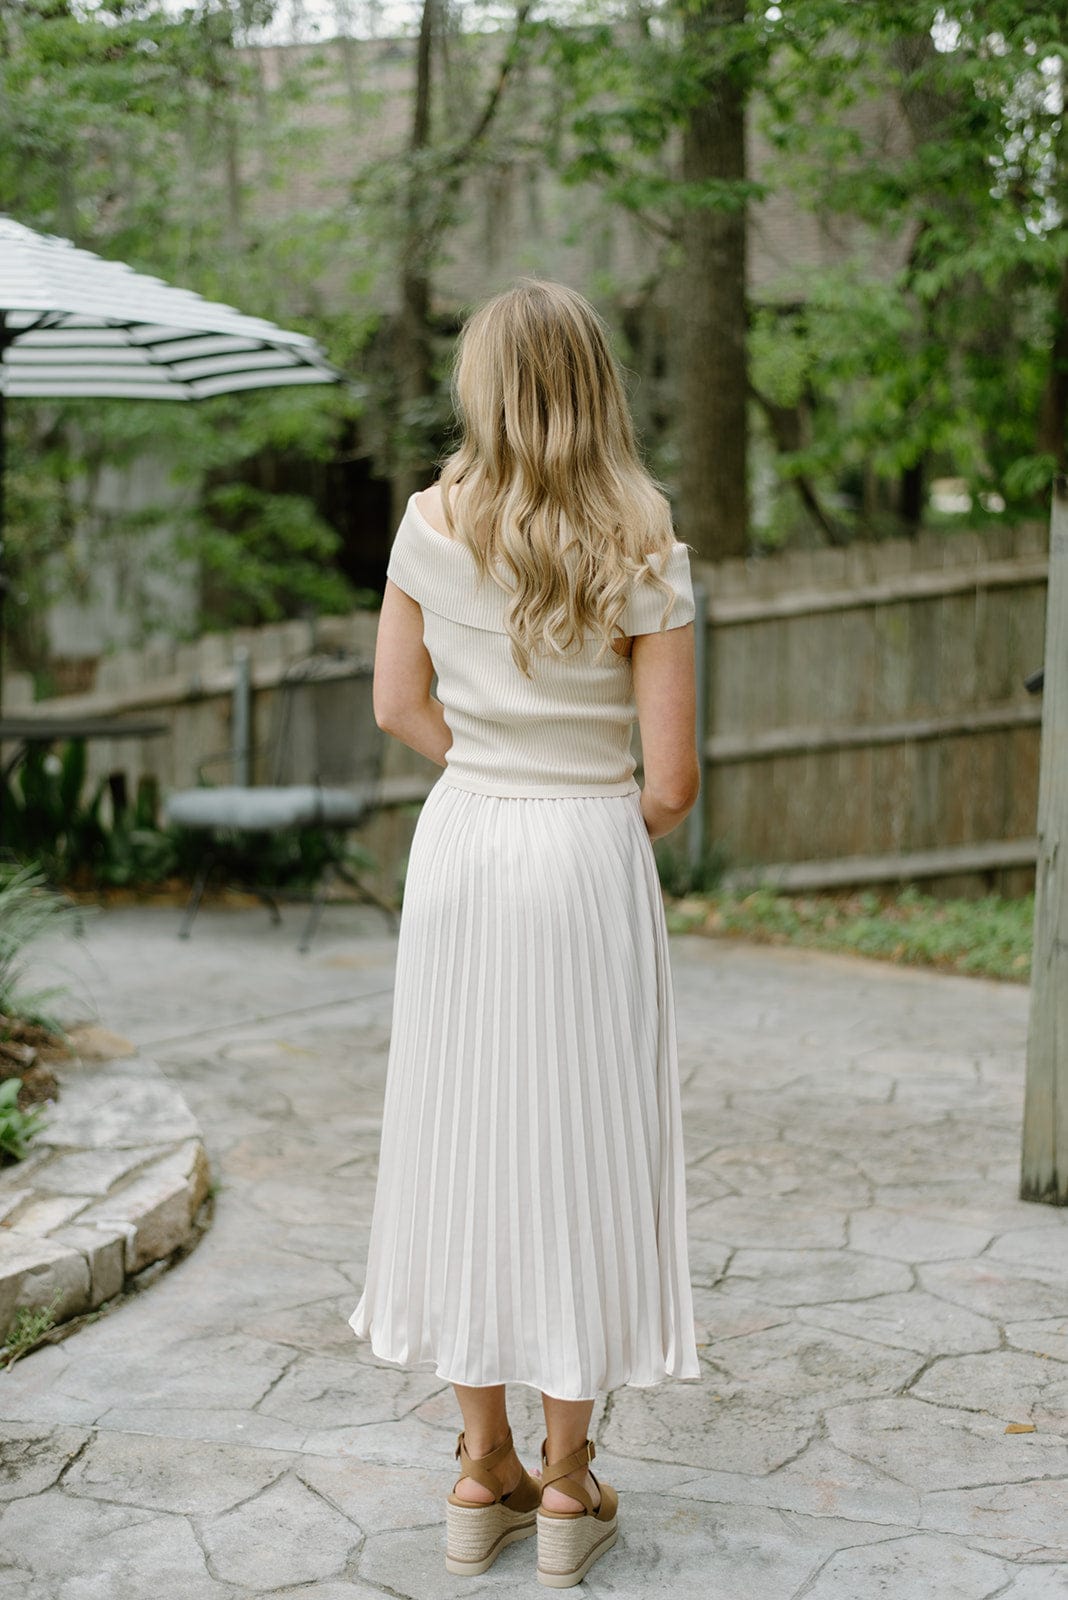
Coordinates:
(529, 1221)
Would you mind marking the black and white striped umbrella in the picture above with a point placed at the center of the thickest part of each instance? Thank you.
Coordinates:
(73, 325)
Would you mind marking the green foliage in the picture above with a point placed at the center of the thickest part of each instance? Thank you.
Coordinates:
(681, 876)
(17, 1127)
(939, 354)
(137, 129)
(98, 840)
(928, 145)
(269, 552)
(1029, 476)
(292, 859)
(29, 911)
(45, 818)
(621, 93)
(989, 937)
(81, 839)
(135, 851)
(27, 1328)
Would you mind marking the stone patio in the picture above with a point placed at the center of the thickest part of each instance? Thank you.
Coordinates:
(878, 1313)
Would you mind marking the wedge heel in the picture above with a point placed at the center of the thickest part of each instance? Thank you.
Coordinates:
(475, 1534)
(569, 1542)
(568, 1547)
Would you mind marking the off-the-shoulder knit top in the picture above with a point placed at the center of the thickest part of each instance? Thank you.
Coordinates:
(565, 731)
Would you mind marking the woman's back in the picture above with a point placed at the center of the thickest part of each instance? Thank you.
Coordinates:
(566, 730)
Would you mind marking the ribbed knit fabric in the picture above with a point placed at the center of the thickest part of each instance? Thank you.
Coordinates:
(529, 1222)
(567, 731)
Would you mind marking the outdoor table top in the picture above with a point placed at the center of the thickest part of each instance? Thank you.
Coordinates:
(41, 730)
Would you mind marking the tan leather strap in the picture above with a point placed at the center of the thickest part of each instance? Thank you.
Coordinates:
(556, 1472)
(481, 1469)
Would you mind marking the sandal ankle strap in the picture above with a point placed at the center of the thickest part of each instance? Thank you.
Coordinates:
(557, 1473)
(481, 1468)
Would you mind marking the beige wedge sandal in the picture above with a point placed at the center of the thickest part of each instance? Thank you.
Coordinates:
(477, 1533)
(569, 1542)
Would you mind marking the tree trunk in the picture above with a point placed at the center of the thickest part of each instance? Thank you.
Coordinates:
(429, 214)
(413, 354)
(711, 358)
(911, 493)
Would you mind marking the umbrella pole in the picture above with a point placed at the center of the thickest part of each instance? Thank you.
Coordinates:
(3, 575)
(5, 340)
(3, 562)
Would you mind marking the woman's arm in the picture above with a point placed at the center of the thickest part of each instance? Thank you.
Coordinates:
(403, 703)
(665, 693)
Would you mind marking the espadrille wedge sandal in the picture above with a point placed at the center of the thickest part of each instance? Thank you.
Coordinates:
(569, 1542)
(476, 1534)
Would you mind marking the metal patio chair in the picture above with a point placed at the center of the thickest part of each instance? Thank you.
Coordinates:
(324, 761)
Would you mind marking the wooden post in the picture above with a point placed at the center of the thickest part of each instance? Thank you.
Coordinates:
(696, 823)
(1044, 1171)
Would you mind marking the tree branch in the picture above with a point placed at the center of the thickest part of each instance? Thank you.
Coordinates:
(508, 62)
(784, 423)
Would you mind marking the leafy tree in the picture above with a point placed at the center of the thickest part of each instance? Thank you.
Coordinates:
(459, 123)
(955, 355)
(139, 132)
(157, 136)
(712, 368)
(956, 360)
(652, 105)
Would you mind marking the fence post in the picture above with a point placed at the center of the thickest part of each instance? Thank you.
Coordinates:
(695, 822)
(241, 716)
(1044, 1170)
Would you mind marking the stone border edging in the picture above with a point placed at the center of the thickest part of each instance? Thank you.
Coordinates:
(115, 1182)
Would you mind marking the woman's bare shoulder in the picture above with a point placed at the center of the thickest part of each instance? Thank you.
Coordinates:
(428, 504)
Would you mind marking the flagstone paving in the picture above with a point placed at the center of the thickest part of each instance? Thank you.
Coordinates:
(875, 1306)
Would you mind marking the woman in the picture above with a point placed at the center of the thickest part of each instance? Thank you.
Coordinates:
(529, 1223)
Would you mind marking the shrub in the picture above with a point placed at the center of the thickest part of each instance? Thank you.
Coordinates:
(17, 1127)
(29, 910)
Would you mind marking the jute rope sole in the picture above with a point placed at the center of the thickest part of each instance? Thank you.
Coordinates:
(476, 1535)
(568, 1547)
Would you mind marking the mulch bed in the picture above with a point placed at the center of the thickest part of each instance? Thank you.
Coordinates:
(29, 1052)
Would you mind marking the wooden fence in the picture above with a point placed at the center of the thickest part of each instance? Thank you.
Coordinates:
(867, 719)
(190, 689)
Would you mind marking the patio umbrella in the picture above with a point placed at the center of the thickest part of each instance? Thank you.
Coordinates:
(75, 325)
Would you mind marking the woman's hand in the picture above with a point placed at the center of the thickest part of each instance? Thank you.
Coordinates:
(662, 817)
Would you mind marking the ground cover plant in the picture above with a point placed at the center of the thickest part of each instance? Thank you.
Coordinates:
(988, 937)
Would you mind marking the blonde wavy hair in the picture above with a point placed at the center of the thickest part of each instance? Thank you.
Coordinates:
(546, 481)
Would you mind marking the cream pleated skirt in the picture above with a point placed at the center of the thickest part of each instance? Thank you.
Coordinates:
(529, 1222)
